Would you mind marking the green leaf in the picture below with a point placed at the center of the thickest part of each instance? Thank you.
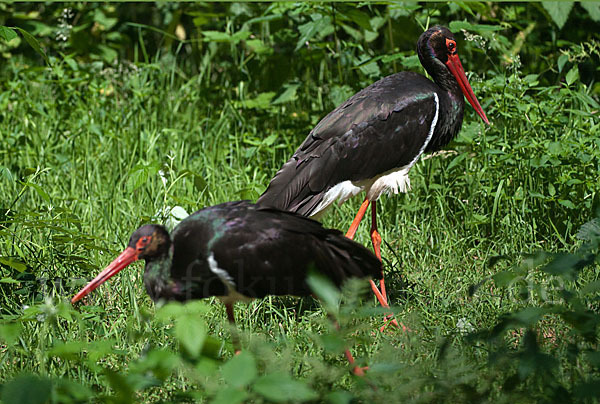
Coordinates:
(360, 18)
(456, 26)
(368, 66)
(10, 332)
(160, 362)
(339, 94)
(478, 219)
(72, 350)
(281, 387)
(68, 350)
(258, 46)
(411, 62)
(590, 230)
(27, 389)
(389, 367)
(531, 80)
(7, 34)
(456, 161)
(563, 265)
(106, 22)
(592, 287)
(269, 140)
(191, 333)
(141, 174)
(6, 174)
(240, 370)
(566, 203)
(14, 264)
(339, 397)
(33, 43)
(124, 391)
(289, 94)
(558, 10)
(169, 311)
(504, 278)
(562, 60)
(68, 391)
(72, 63)
(325, 290)
(312, 28)
(200, 183)
(529, 315)
(593, 9)
(262, 101)
(573, 75)
(332, 343)
(39, 190)
(207, 366)
(230, 395)
(107, 53)
(217, 36)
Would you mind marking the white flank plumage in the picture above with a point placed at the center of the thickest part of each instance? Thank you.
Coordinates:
(220, 272)
(232, 295)
(341, 193)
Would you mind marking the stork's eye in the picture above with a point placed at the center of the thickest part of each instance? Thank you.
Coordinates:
(451, 45)
(142, 243)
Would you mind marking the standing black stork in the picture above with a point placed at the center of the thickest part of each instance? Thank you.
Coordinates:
(239, 251)
(371, 141)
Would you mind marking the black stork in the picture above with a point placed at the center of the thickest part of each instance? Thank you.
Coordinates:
(370, 142)
(239, 251)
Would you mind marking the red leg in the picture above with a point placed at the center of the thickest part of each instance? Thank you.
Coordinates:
(376, 239)
(380, 293)
(361, 213)
(234, 337)
(355, 369)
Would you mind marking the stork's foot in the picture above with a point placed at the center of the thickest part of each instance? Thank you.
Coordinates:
(357, 370)
(376, 240)
(360, 371)
(387, 320)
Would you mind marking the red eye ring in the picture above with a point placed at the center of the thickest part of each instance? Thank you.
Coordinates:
(451, 45)
(142, 243)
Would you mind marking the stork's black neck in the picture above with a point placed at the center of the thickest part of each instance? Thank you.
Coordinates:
(452, 101)
(157, 278)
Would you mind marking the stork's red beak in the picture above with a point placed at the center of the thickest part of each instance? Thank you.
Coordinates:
(127, 257)
(457, 70)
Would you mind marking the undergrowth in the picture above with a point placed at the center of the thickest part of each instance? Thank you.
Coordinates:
(95, 144)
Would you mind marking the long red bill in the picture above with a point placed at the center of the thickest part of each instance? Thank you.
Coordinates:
(457, 70)
(125, 258)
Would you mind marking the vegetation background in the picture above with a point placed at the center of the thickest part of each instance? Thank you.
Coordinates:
(112, 115)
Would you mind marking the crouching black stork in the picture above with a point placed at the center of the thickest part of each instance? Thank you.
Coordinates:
(371, 141)
(239, 251)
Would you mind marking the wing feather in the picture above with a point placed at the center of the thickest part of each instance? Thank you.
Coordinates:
(275, 257)
(381, 128)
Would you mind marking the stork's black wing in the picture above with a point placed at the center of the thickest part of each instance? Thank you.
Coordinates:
(383, 127)
(192, 240)
(263, 251)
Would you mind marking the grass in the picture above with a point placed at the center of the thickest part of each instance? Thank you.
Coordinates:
(81, 161)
